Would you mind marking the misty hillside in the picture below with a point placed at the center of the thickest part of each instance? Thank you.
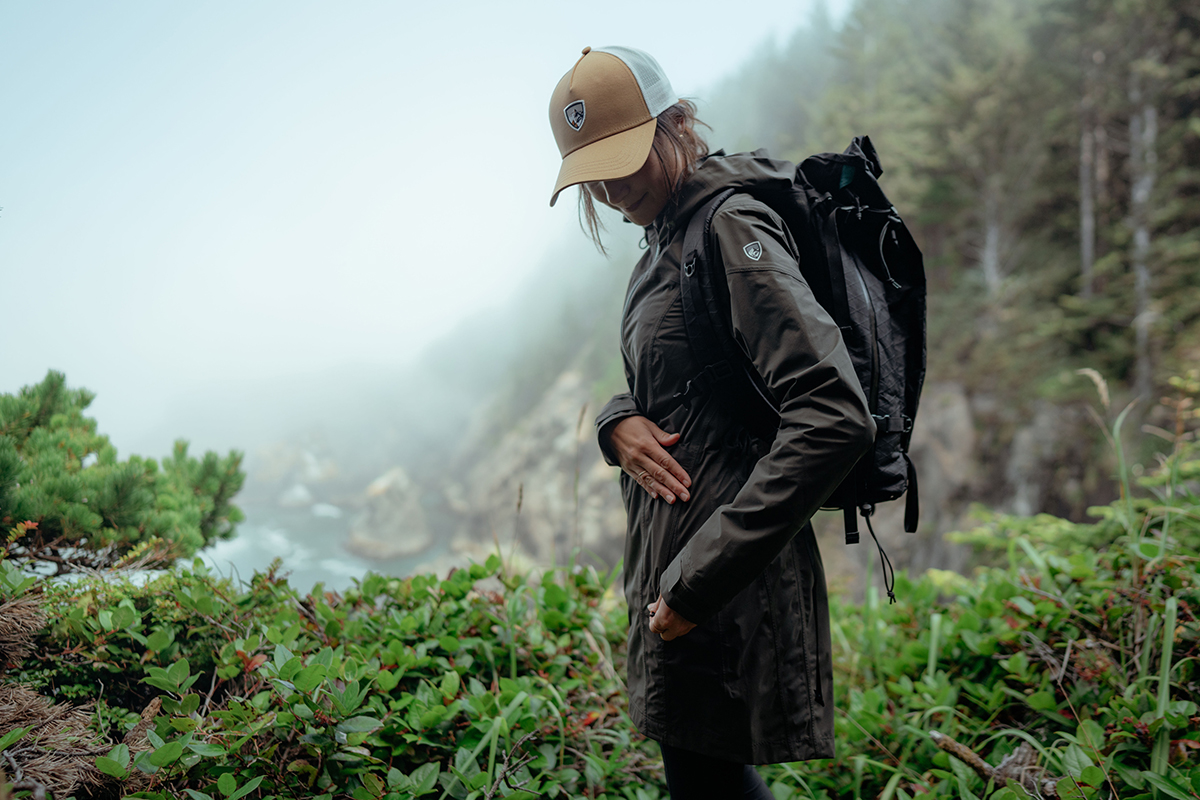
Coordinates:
(1045, 156)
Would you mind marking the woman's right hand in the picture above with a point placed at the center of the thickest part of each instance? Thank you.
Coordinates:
(639, 446)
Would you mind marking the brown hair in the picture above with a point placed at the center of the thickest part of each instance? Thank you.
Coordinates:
(676, 141)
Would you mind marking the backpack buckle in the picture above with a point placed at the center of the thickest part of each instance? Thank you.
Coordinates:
(690, 267)
(886, 423)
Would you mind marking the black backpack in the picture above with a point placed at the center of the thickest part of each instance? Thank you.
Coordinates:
(864, 268)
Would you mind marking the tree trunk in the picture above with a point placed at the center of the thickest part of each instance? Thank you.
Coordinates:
(1143, 132)
(1087, 187)
(989, 260)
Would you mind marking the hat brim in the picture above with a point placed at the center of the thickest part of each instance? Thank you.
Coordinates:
(610, 158)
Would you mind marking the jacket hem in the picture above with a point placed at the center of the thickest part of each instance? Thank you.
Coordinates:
(756, 752)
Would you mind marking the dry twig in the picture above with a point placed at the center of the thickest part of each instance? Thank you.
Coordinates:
(59, 752)
(1019, 765)
(20, 620)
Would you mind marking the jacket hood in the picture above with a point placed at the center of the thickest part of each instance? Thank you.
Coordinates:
(717, 172)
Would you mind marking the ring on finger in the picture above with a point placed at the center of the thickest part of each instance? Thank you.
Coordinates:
(641, 475)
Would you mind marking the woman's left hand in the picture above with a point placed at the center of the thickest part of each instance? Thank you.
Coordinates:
(665, 622)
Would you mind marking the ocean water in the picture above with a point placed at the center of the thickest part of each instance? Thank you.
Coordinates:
(310, 541)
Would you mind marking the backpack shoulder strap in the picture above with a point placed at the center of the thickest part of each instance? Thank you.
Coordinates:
(726, 369)
(707, 328)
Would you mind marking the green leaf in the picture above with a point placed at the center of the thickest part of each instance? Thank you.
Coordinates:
(247, 788)
(120, 754)
(157, 678)
(1149, 549)
(450, 684)
(1092, 776)
(189, 705)
(449, 643)
(206, 749)
(106, 619)
(424, 778)
(1024, 605)
(1185, 708)
(387, 680)
(13, 736)
(160, 640)
(1167, 786)
(166, 754)
(183, 724)
(204, 604)
(962, 775)
(143, 763)
(290, 669)
(110, 767)
(192, 793)
(1042, 701)
(373, 783)
(397, 779)
(310, 677)
(1068, 790)
(123, 617)
(433, 716)
(178, 673)
(350, 698)
(359, 725)
(1090, 735)
(1075, 761)
(227, 784)
(282, 657)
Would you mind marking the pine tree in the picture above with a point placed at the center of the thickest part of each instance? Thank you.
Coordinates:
(68, 502)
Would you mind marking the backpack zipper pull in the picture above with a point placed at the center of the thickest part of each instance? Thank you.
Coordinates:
(882, 260)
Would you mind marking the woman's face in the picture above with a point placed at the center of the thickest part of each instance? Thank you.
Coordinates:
(640, 196)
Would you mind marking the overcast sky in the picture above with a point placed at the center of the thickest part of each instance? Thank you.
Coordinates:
(200, 192)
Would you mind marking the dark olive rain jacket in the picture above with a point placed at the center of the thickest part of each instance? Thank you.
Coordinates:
(752, 682)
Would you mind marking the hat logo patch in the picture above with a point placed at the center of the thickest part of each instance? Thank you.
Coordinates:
(575, 113)
(753, 251)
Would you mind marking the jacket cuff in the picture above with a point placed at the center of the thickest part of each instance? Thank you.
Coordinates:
(682, 601)
(617, 409)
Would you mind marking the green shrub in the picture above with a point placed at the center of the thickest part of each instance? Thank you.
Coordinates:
(1082, 642)
(479, 685)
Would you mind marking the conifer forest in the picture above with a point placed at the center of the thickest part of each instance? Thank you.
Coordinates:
(1045, 642)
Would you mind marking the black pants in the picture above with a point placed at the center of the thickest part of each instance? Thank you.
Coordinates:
(691, 776)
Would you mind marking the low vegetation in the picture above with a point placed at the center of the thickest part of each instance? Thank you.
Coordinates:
(1072, 656)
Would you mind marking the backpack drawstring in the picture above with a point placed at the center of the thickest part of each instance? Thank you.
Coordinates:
(889, 574)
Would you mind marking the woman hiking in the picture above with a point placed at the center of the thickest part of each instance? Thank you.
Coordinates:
(729, 659)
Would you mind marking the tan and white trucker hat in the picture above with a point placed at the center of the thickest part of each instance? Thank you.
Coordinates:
(603, 114)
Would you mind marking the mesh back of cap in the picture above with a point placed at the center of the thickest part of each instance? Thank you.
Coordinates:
(649, 75)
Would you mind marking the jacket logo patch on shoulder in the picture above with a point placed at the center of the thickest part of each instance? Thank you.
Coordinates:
(576, 113)
(753, 251)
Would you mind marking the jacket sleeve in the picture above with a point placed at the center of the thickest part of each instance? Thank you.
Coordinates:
(825, 424)
(615, 410)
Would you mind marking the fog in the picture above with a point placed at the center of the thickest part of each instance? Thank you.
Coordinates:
(242, 224)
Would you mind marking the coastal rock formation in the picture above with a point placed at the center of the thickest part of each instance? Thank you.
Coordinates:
(544, 486)
(393, 523)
